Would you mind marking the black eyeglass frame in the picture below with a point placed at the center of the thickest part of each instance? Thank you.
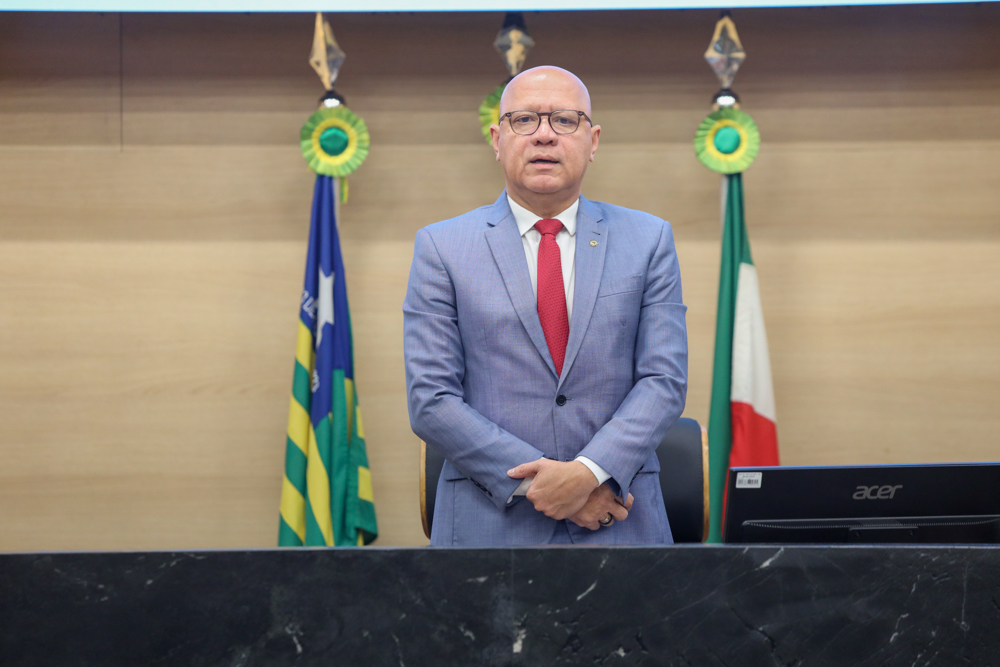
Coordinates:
(540, 115)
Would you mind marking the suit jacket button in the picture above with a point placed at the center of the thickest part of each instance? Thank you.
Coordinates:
(560, 400)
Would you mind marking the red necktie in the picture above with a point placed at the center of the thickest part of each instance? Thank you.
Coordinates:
(552, 292)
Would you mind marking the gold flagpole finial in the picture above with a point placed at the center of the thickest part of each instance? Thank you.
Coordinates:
(725, 54)
(513, 42)
(327, 57)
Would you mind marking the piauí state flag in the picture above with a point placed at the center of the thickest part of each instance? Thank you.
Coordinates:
(326, 498)
(741, 423)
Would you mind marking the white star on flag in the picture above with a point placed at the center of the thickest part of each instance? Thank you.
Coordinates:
(325, 313)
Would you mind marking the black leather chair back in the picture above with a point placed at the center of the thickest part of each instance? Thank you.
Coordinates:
(683, 461)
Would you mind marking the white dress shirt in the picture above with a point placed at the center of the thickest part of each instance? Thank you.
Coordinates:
(566, 240)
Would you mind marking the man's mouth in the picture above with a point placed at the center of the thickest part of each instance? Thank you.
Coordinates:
(544, 160)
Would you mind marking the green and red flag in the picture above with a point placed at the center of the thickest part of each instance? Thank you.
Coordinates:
(741, 424)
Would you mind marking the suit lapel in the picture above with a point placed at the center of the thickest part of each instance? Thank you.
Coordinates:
(589, 267)
(508, 251)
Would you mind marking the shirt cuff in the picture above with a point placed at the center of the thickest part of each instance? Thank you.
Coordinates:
(600, 473)
(522, 488)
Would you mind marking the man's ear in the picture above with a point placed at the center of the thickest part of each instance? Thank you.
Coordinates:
(595, 138)
(495, 140)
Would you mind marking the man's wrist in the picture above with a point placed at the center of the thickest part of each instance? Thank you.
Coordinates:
(600, 474)
(586, 476)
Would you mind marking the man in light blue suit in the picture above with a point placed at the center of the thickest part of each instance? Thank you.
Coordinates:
(545, 343)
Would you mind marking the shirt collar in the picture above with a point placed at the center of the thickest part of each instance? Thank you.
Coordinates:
(526, 220)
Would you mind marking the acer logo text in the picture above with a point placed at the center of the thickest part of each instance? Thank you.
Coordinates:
(876, 492)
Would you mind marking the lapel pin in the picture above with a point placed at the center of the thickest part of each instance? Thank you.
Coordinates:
(593, 243)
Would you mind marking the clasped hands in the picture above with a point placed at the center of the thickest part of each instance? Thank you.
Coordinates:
(570, 491)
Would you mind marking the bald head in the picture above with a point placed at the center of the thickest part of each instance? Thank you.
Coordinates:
(545, 81)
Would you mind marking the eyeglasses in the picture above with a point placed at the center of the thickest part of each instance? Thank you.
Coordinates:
(562, 121)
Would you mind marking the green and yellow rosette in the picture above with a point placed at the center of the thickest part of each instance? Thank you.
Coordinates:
(727, 141)
(489, 112)
(335, 141)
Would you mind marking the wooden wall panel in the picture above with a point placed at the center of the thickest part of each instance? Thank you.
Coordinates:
(140, 381)
(154, 210)
(166, 193)
(60, 82)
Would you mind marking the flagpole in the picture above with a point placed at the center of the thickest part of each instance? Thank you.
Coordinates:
(336, 202)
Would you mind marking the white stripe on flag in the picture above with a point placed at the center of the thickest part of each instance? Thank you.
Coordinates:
(751, 364)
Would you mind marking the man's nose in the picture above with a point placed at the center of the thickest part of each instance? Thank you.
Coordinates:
(545, 134)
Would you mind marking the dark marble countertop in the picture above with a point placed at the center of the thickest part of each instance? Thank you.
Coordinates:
(682, 605)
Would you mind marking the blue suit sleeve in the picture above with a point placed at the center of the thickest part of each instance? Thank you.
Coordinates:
(435, 370)
(657, 399)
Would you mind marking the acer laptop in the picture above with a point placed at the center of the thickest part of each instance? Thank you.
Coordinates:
(948, 503)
